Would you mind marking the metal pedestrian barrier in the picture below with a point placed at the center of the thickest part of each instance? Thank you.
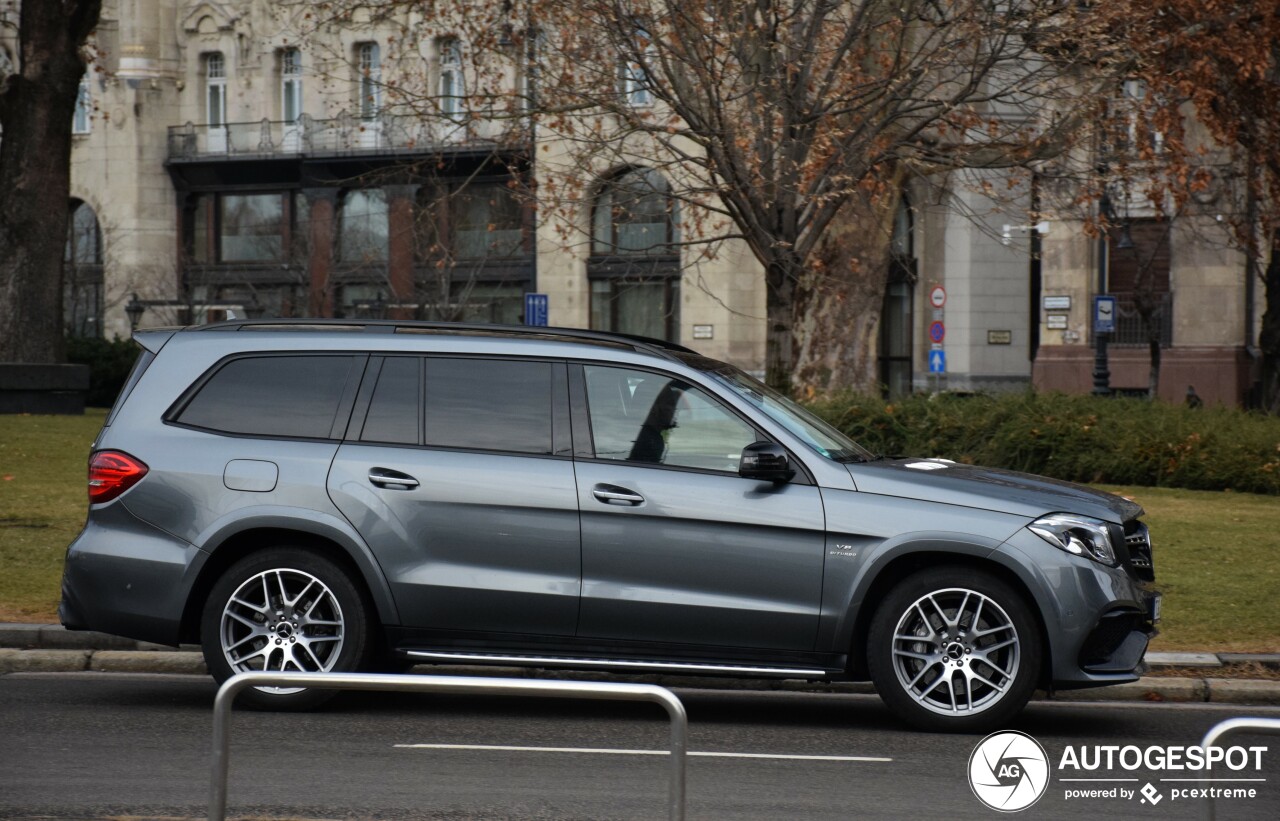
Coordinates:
(1233, 726)
(446, 684)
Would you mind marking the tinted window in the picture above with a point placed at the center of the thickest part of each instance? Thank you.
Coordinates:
(637, 416)
(393, 411)
(489, 405)
(272, 396)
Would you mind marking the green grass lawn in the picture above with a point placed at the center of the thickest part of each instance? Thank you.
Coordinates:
(1217, 560)
(43, 500)
(1216, 553)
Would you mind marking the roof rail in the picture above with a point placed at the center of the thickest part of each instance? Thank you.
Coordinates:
(657, 347)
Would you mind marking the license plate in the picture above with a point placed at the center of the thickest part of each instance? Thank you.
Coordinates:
(1153, 606)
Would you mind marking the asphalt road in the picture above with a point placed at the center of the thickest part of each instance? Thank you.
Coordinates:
(97, 745)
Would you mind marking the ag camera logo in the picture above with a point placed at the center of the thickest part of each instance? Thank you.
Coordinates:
(1008, 771)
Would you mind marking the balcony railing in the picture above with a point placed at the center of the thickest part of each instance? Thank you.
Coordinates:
(342, 135)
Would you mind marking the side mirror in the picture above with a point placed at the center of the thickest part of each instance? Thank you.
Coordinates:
(765, 461)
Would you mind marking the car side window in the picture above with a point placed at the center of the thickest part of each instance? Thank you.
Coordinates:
(639, 416)
(394, 410)
(489, 404)
(294, 396)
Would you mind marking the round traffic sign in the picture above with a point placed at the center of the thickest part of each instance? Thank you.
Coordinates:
(937, 332)
(938, 296)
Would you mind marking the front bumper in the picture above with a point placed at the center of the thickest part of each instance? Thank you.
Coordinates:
(1098, 620)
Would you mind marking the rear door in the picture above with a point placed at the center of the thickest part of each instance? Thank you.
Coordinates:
(678, 548)
(458, 473)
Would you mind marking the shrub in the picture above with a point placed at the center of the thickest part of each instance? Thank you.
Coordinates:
(109, 362)
(1077, 438)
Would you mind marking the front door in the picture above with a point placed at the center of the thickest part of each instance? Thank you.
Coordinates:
(676, 547)
(454, 480)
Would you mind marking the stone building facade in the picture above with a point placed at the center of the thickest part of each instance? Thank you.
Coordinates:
(227, 159)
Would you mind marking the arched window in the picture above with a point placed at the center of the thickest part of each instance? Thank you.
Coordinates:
(634, 267)
(634, 214)
(82, 298)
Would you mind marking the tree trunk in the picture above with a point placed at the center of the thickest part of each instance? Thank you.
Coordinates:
(838, 311)
(37, 103)
(779, 337)
(1269, 337)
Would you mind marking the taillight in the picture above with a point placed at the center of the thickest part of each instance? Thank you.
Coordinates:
(111, 473)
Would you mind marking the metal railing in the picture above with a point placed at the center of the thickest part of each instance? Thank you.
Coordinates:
(446, 684)
(1130, 329)
(341, 135)
(1232, 726)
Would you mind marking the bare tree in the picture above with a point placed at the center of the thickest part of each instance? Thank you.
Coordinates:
(37, 101)
(788, 125)
(792, 126)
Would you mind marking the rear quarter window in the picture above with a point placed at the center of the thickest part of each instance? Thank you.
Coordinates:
(286, 396)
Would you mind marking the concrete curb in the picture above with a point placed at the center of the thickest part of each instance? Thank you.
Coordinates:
(49, 648)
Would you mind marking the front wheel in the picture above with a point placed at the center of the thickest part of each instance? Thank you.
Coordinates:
(954, 650)
(280, 610)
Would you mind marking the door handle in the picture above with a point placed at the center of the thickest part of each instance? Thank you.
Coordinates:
(392, 479)
(612, 494)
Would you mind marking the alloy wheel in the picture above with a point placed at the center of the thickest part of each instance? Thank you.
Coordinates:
(955, 652)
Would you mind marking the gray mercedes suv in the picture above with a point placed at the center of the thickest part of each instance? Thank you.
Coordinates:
(347, 495)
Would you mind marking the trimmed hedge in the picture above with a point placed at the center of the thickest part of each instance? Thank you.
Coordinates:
(1076, 438)
(109, 364)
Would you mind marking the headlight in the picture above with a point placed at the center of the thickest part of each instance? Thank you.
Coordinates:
(1076, 534)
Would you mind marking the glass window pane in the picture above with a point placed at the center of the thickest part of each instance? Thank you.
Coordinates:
(637, 416)
(489, 405)
(393, 411)
(640, 307)
(252, 227)
(501, 303)
(200, 230)
(602, 223)
(272, 396)
(489, 222)
(364, 226)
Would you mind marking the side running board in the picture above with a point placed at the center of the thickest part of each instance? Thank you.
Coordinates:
(563, 661)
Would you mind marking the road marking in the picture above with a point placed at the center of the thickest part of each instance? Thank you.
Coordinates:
(608, 751)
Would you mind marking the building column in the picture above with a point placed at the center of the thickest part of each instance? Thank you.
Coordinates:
(323, 207)
(400, 233)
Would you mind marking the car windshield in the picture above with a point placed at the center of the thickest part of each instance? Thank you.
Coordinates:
(815, 433)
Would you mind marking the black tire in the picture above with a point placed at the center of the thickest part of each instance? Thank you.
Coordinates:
(294, 609)
(952, 675)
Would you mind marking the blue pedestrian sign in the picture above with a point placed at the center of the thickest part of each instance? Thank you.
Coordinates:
(1104, 314)
(937, 361)
(535, 309)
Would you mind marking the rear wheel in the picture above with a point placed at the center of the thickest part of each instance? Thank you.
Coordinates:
(280, 610)
(954, 650)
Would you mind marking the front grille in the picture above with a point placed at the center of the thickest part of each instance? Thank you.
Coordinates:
(1138, 540)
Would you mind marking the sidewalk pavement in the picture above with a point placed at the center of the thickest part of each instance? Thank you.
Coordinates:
(50, 648)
